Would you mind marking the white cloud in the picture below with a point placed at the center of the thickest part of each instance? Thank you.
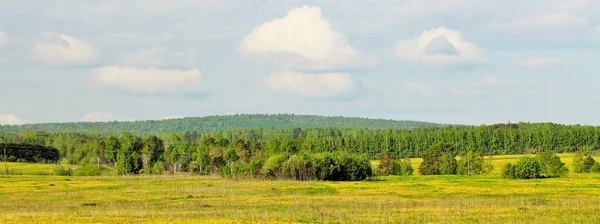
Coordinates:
(139, 80)
(58, 50)
(441, 46)
(97, 116)
(10, 119)
(543, 21)
(171, 117)
(3, 40)
(421, 88)
(158, 58)
(538, 62)
(465, 91)
(303, 38)
(321, 86)
(488, 81)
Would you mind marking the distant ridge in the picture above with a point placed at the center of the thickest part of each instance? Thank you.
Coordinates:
(219, 123)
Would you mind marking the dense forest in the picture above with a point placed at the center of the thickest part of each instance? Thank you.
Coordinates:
(218, 123)
(210, 151)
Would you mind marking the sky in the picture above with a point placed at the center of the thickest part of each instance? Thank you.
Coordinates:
(448, 61)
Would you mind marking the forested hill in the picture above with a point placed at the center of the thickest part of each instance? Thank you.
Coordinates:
(219, 123)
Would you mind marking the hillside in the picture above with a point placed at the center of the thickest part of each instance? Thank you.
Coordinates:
(219, 123)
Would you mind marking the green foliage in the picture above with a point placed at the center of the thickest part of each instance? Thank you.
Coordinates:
(88, 170)
(273, 167)
(448, 164)
(550, 165)
(439, 160)
(63, 171)
(473, 163)
(403, 167)
(595, 168)
(231, 156)
(508, 171)
(30, 153)
(219, 123)
(525, 168)
(387, 164)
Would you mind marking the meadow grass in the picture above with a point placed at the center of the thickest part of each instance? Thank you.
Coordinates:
(187, 198)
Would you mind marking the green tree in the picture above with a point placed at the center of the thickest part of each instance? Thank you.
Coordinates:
(550, 164)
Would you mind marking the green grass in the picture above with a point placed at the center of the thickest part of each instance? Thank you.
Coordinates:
(200, 199)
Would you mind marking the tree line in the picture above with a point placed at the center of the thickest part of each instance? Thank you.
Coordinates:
(209, 152)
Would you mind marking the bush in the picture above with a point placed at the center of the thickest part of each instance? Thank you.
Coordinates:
(508, 171)
(339, 166)
(157, 168)
(87, 170)
(387, 164)
(403, 167)
(63, 171)
(595, 168)
(587, 164)
(550, 165)
(273, 166)
(439, 159)
(473, 163)
(448, 164)
(581, 164)
(525, 168)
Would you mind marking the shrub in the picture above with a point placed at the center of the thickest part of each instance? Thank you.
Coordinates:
(403, 167)
(439, 159)
(387, 164)
(299, 167)
(508, 171)
(63, 171)
(581, 164)
(87, 170)
(254, 167)
(588, 162)
(448, 164)
(473, 163)
(273, 166)
(157, 168)
(550, 165)
(595, 168)
(527, 168)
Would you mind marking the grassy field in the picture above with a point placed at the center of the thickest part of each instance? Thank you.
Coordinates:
(193, 199)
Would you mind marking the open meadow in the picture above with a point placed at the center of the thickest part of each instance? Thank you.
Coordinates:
(188, 198)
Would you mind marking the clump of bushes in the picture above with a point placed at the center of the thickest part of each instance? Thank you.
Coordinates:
(473, 163)
(545, 164)
(388, 165)
(585, 165)
(338, 166)
(63, 171)
(439, 160)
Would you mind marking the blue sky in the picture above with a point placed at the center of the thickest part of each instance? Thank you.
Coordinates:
(449, 61)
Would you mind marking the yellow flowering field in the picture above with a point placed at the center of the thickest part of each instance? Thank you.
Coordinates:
(210, 199)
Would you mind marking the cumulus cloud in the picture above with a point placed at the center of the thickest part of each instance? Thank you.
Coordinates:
(138, 80)
(10, 119)
(3, 40)
(421, 88)
(440, 46)
(465, 91)
(538, 62)
(158, 58)
(543, 21)
(319, 86)
(303, 39)
(60, 50)
(97, 116)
